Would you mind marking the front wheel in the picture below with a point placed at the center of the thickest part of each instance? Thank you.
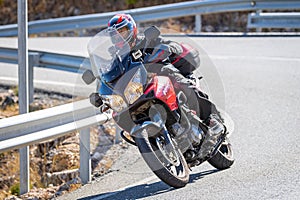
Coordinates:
(164, 159)
(223, 159)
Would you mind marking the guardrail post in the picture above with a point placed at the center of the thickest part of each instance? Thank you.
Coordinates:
(23, 88)
(32, 61)
(24, 170)
(258, 13)
(85, 169)
(198, 23)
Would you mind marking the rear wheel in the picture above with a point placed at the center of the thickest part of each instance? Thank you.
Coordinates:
(223, 158)
(164, 159)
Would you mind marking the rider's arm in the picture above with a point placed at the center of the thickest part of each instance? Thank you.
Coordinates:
(175, 48)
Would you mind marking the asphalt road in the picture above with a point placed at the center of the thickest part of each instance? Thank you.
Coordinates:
(261, 86)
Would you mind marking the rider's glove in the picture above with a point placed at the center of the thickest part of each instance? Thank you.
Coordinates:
(195, 82)
(160, 53)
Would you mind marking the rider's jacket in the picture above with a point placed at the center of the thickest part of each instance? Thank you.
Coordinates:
(183, 57)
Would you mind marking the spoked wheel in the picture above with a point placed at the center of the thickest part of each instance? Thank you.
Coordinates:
(164, 159)
(223, 158)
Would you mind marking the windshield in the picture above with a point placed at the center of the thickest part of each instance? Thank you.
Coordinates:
(104, 49)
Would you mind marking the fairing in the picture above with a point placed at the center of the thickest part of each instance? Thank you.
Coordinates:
(163, 90)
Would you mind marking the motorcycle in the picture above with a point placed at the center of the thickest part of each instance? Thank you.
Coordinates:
(152, 114)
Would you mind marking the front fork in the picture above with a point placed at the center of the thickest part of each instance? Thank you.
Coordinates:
(158, 131)
(167, 147)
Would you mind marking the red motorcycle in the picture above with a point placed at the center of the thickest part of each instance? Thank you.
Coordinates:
(153, 114)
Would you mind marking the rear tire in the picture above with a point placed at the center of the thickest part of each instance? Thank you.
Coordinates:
(175, 175)
(223, 158)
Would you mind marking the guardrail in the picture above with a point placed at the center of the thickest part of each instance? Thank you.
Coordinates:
(43, 125)
(260, 20)
(49, 123)
(189, 8)
(46, 59)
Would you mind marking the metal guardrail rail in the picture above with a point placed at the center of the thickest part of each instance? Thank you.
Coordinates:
(274, 20)
(49, 60)
(43, 119)
(43, 125)
(189, 8)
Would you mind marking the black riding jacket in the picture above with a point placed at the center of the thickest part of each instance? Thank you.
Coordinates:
(175, 48)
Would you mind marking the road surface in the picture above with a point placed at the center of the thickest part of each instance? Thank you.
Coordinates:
(261, 83)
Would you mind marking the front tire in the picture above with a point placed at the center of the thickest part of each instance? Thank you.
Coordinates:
(170, 166)
(223, 159)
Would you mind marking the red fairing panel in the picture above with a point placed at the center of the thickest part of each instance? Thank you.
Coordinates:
(164, 91)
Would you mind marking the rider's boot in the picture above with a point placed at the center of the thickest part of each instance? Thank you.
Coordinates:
(215, 128)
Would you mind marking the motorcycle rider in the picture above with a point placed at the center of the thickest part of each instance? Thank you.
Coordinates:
(161, 49)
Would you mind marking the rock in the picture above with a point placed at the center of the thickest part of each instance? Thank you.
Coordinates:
(8, 101)
(76, 11)
(58, 178)
(70, 185)
(35, 106)
(8, 180)
(209, 28)
(12, 198)
(40, 193)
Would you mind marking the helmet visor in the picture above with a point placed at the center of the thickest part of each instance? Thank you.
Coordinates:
(103, 52)
(124, 32)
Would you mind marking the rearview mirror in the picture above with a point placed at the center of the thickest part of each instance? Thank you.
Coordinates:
(151, 33)
(96, 100)
(88, 77)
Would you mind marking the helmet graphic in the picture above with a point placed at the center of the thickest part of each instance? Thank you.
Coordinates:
(125, 25)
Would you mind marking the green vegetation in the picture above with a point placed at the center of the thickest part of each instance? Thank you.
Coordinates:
(15, 89)
(15, 189)
(131, 2)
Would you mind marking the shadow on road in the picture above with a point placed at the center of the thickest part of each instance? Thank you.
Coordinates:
(145, 190)
(195, 177)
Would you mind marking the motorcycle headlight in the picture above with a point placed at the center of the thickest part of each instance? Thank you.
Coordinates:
(116, 102)
(134, 88)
